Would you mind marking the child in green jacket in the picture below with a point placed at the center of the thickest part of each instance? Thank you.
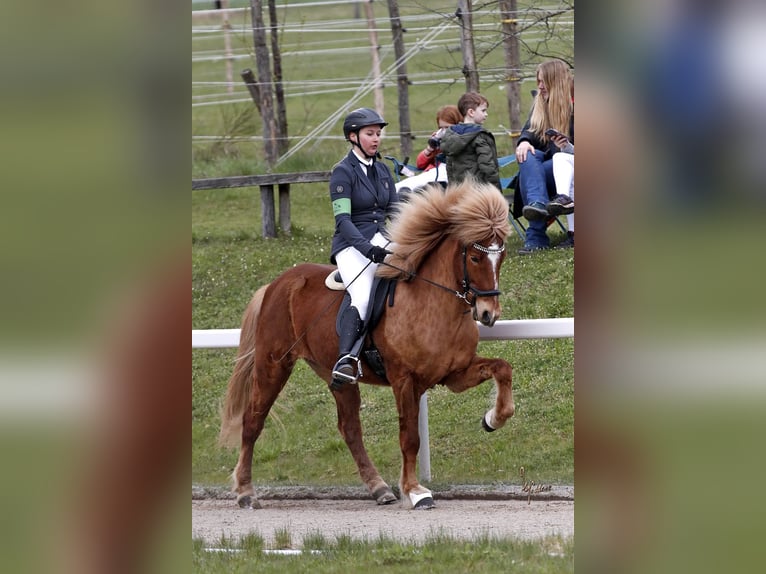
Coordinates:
(469, 147)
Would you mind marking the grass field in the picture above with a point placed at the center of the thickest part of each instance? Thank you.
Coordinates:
(300, 444)
(439, 555)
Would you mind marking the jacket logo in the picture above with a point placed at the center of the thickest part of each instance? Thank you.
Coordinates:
(339, 189)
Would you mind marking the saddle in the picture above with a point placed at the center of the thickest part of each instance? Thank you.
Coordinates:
(382, 296)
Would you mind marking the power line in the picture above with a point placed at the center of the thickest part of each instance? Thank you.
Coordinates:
(325, 126)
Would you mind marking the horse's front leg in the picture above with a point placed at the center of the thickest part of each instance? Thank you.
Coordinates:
(408, 405)
(476, 373)
(348, 402)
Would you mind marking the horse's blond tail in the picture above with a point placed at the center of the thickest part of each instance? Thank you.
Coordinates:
(239, 391)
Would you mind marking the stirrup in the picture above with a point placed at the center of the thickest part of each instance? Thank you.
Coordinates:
(341, 377)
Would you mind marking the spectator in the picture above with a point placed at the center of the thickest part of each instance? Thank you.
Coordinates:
(469, 147)
(553, 109)
(446, 116)
(563, 176)
(362, 192)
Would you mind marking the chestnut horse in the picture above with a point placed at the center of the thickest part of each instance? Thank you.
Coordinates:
(448, 246)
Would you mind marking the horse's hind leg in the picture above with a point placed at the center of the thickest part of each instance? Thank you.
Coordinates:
(348, 402)
(268, 383)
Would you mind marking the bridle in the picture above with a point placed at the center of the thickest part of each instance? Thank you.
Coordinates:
(469, 294)
(466, 280)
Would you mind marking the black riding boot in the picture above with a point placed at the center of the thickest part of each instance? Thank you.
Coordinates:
(345, 370)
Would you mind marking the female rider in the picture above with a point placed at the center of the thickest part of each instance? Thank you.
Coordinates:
(362, 193)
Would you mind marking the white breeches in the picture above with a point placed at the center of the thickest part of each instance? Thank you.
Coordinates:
(358, 273)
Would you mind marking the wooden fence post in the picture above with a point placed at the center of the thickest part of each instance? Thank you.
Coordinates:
(252, 87)
(268, 227)
(284, 207)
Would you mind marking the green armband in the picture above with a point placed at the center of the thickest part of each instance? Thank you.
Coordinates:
(341, 206)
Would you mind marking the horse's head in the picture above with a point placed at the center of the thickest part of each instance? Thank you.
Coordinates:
(481, 278)
(470, 220)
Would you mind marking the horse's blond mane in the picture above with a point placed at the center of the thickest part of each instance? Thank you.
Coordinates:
(467, 212)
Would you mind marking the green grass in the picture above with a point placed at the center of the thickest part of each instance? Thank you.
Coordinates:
(439, 554)
(300, 443)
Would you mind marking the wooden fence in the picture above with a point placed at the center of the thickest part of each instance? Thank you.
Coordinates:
(266, 183)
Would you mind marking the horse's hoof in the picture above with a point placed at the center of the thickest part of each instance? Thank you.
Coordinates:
(384, 496)
(248, 501)
(485, 424)
(424, 501)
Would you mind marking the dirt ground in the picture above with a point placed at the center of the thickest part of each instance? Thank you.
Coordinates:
(213, 518)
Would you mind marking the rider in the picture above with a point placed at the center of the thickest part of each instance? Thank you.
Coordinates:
(362, 193)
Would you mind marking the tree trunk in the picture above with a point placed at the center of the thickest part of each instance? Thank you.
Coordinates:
(264, 82)
(226, 25)
(465, 15)
(252, 86)
(283, 144)
(509, 20)
(402, 82)
(375, 51)
(268, 218)
(276, 56)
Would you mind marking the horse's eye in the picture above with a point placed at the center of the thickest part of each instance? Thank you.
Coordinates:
(474, 259)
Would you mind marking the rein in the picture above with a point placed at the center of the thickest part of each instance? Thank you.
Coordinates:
(464, 296)
(466, 283)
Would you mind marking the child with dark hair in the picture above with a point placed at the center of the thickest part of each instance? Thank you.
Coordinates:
(469, 147)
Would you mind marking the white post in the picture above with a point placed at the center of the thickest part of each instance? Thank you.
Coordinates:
(424, 453)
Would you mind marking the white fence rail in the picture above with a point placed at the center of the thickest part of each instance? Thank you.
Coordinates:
(502, 330)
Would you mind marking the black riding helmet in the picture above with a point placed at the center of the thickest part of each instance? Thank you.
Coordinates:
(359, 119)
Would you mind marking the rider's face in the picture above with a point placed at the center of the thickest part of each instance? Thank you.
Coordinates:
(369, 139)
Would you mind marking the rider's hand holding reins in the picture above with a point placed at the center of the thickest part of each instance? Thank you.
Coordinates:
(377, 254)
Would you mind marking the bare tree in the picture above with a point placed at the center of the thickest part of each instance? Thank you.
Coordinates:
(264, 82)
(276, 58)
(521, 55)
(375, 53)
(555, 42)
(282, 142)
(509, 23)
(402, 82)
(464, 14)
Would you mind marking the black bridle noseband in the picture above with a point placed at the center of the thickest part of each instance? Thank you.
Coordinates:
(466, 280)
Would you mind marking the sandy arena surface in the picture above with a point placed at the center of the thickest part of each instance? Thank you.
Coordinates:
(363, 519)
